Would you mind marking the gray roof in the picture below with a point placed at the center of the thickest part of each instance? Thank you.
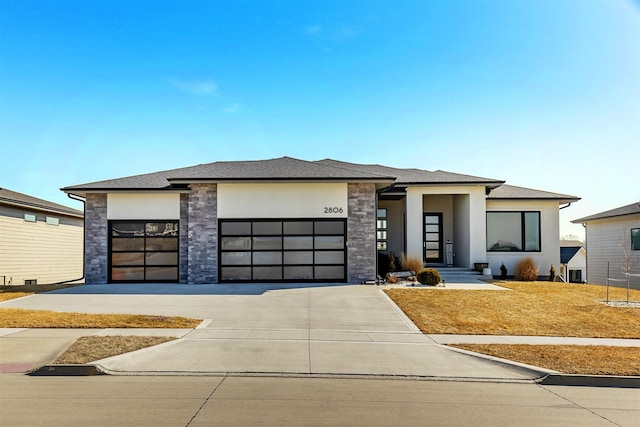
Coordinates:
(511, 192)
(284, 168)
(288, 169)
(633, 208)
(415, 176)
(14, 198)
(567, 253)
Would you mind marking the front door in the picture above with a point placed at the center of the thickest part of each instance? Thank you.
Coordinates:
(433, 250)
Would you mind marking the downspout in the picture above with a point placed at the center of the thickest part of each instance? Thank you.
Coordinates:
(84, 240)
(563, 207)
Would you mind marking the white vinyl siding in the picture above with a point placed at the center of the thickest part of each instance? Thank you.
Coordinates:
(36, 250)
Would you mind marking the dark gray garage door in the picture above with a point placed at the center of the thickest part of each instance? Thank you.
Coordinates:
(310, 250)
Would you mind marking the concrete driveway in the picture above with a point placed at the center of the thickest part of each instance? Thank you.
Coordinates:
(281, 329)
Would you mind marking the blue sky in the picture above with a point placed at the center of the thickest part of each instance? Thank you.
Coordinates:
(543, 94)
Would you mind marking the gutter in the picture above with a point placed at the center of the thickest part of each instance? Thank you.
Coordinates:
(84, 239)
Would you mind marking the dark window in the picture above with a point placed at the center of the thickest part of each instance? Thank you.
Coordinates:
(513, 231)
(143, 251)
(635, 239)
(381, 229)
(276, 250)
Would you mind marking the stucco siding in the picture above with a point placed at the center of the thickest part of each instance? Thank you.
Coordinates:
(549, 235)
(287, 200)
(606, 243)
(37, 250)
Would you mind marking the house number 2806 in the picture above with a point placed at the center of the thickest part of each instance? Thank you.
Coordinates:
(329, 210)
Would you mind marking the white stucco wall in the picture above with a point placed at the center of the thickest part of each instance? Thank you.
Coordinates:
(470, 234)
(550, 237)
(143, 206)
(287, 200)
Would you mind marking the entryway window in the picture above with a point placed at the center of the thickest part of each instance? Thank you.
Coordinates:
(381, 230)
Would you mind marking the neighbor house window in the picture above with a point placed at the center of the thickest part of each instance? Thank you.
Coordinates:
(513, 231)
(635, 239)
(52, 220)
(381, 230)
(28, 217)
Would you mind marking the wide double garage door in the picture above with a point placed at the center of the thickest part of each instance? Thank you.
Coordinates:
(282, 250)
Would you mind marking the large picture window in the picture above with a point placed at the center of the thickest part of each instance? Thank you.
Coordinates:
(635, 239)
(143, 251)
(513, 231)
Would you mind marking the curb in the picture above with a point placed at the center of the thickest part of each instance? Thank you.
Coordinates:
(590, 381)
(67, 371)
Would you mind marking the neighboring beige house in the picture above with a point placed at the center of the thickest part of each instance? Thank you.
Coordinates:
(573, 261)
(611, 237)
(40, 242)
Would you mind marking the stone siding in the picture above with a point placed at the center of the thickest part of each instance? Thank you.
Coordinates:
(361, 233)
(96, 237)
(183, 269)
(203, 234)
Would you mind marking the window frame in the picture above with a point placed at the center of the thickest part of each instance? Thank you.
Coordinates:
(523, 232)
(52, 220)
(635, 237)
(382, 230)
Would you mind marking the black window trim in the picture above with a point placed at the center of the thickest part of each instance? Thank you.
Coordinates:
(636, 229)
(522, 231)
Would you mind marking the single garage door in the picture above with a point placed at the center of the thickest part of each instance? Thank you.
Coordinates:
(143, 251)
(310, 250)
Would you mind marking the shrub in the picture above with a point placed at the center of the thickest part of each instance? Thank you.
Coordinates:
(411, 263)
(393, 261)
(552, 273)
(428, 276)
(526, 270)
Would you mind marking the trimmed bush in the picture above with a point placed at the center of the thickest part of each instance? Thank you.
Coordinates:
(428, 276)
(411, 263)
(526, 270)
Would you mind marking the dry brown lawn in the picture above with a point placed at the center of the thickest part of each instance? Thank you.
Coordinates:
(568, 359)
(22, 318)
(530, 308)
(89, 349)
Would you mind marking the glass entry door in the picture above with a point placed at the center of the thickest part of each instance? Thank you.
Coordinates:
(433, 248)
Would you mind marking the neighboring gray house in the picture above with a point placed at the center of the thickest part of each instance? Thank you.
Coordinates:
(611, 237)
(293, 220)
(40, 241)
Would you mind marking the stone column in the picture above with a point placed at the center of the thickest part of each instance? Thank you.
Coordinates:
(203, 234)
(361, 232)
(183, 272)
(96, 239)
